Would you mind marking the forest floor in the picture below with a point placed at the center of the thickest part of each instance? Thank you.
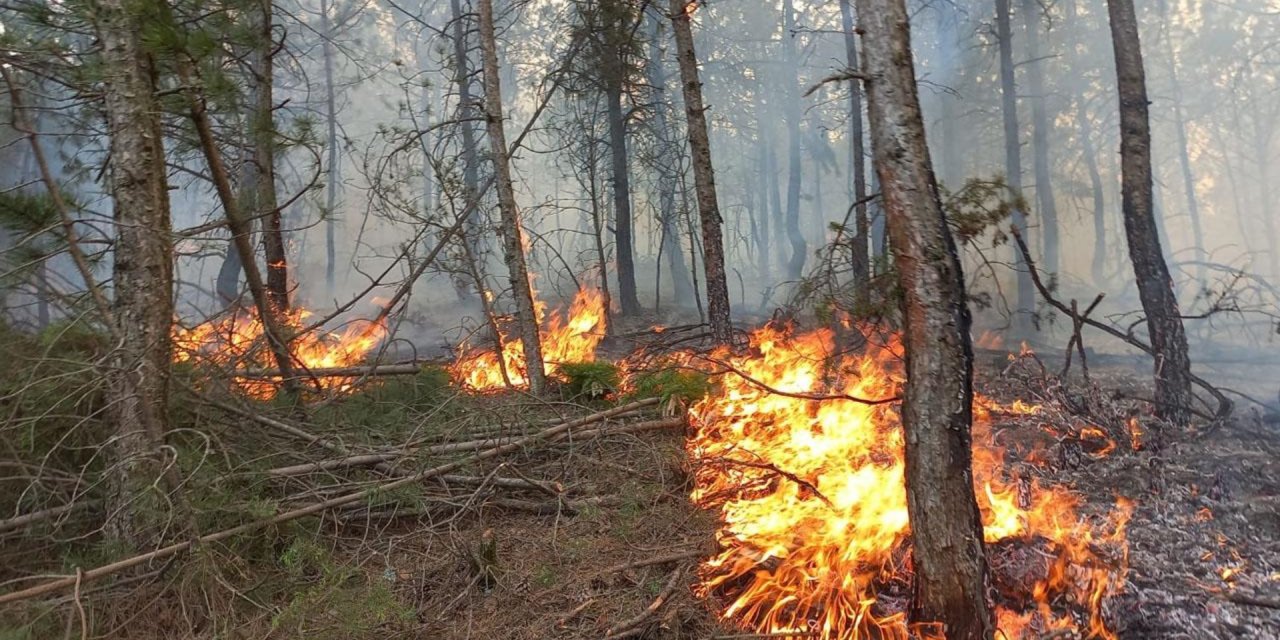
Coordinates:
(596, 537)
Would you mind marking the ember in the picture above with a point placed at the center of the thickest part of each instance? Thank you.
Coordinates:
(238, 342)
(810, 493)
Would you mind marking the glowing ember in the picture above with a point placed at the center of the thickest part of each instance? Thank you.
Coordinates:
(811, 499)
(238, 342)
(565, 339)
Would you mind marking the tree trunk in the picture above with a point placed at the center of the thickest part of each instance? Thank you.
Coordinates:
(799, 248)
(703, 173)
(1184, 157)
(1025, 302)
(512, 234)
(470, 151)
(765, 247)
(142, 272)
(668, 159)
(331, 176)
(1164, 323)
(264, 156)
(1096, 188)
(1040, 138)
(623, 249)
(857, 157)
(950, 567)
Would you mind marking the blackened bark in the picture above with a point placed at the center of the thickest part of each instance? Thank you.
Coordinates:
(142, 269)
(512, 233)
(668, 160)
(950, 567)
(703, 173)
(1048, 208)
(795, 175)
(1164, 323)
(1025, 302)
(857, 158)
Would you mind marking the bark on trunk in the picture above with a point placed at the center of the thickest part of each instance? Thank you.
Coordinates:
(264, 156)
(950, 568)
(1025, 302)
(512, 234)
(668, 159)
(1048, 208)
(623, 249)
(331, 176)
(799, 248)
(861, 224)
(142, 271)
(703, 173)
(470, 152)
(1168, 341)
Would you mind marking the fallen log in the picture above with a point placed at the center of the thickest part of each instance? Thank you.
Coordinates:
(82, 577)
(25, 519)
(403, 369)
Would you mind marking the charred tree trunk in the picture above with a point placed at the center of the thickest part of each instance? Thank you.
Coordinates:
(142, 271)
(1048, 207)
(623, 249)
(703, 173)
(1025, 303)
(668, 160)
(264, 156)
(512, 234)
(950, 567)
(331, 176)
(1164, 323)
(799, 248)
(857, 157)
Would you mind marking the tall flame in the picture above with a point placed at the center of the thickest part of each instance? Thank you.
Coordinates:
(566, 338)
(238, 341)
(809, 489)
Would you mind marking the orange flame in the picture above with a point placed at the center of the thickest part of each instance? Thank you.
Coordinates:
(238, 342)
(565, 338)
(810, 495)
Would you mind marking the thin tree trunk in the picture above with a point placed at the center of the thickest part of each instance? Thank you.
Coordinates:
(857, 156)
(1096, 188)
(950, 567)
(512, 233)
(142, 272)
(765, 247)
(668, 161)
(703, 173)
(1025, 303)
(598, 223)
(799, 248)
(1164, 323)
(1184, 156)
(470, 150)
(623, 249)
(331, 176)
(264, 133)
(1048, 208)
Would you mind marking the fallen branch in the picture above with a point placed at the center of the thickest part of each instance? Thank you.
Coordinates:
(1224, 403)
(648, 562)
(25, 519)
(633, 627)
(550, 434)
(407, 369)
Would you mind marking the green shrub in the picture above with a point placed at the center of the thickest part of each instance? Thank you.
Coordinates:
(685, 385)
(591, 379)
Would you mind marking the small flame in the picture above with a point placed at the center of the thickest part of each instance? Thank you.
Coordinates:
(1136, 434)
(238, 342)
(566, 338)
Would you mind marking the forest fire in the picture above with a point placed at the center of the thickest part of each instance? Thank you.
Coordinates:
(808, 485)
(571, 337)
(238, 342)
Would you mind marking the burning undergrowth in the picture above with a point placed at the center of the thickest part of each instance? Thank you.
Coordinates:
(237, 342)
(807, 479)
